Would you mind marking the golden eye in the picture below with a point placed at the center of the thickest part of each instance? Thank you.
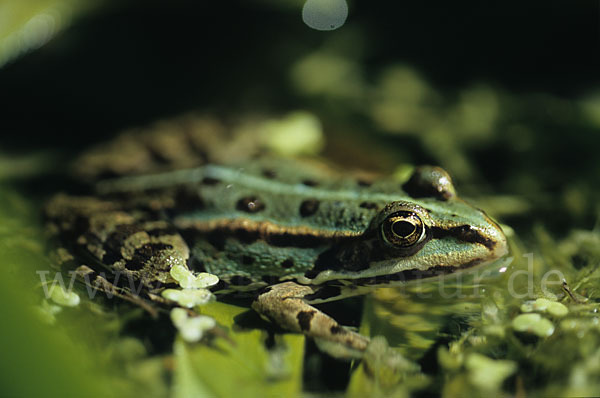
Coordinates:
(403, 229)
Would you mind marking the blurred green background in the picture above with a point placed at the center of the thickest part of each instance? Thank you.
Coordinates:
(504, 95)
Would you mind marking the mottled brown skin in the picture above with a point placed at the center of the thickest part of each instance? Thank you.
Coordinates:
(124, 257)
(116, 238)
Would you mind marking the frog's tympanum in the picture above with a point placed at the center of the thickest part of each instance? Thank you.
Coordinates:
(284, 233)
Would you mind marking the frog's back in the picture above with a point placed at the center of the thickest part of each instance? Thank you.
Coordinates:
(260, 222)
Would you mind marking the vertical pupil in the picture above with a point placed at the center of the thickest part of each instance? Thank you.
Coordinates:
(403, 228)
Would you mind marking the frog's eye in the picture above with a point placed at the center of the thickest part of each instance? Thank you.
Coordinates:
(403, 229)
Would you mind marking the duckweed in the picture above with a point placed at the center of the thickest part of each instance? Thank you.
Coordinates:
(533, 323)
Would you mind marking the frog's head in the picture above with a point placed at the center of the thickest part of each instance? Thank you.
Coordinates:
(434, 233)
(430, 238)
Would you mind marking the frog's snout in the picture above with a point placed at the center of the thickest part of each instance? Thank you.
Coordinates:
(495, 240)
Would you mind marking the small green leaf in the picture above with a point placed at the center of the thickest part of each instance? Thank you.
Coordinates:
(533, 323)
(191, 328)
(62, 297)
(486, 373)
(188, 280)
(189, 297)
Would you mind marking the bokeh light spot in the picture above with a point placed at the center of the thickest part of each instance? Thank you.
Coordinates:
(325, 14)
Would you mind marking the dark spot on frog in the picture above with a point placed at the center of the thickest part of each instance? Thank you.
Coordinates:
(364, 183)
(310, 183)
(120, 234)
(240, 280)
(289, 263)
(250, 204)
(270, 174)
(111, 257)
(210, 181)
(309, 207)
(369, 205)
(304, 319)
(142, 255)
(336, 329)
(114, 241)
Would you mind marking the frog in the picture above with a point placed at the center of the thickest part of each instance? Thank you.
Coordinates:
(287, 234)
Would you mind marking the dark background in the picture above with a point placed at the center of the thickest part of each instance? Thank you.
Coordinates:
(132, 62)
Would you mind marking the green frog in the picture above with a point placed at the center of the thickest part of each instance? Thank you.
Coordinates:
(285, 233)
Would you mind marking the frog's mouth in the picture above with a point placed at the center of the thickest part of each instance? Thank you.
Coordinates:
(335, 285)
(341, 288)
(448, 251)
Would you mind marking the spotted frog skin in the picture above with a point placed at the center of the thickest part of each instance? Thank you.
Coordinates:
(285, 233)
